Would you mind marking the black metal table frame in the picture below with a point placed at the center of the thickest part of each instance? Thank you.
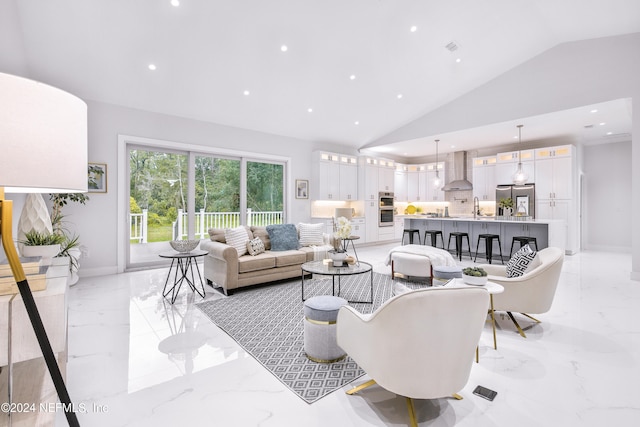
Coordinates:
(333, 280)
(184, 267)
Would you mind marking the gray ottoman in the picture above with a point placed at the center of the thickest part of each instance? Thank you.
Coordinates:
(320, 314)
(442, 274)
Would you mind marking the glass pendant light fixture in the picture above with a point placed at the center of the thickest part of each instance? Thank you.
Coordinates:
(436, 180)
(520, 176)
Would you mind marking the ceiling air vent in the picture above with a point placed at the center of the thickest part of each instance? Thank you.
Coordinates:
(452, 46)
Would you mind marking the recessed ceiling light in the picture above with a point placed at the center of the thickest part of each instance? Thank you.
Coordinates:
(609, 133)
(458, 60)
(175, 3)
(594, 111)
(356, 123)
(310, 110)
(284, 48)
(414, 29)
(602, 124)
(246, 93)
(352, 76)
(152, 67)
(515, 137)
(399, 96)
(453, 146)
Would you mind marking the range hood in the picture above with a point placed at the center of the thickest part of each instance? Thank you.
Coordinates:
(460, 182)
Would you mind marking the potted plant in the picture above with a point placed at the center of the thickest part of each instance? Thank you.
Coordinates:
(506, 205)
(41, 244)
(70, 245)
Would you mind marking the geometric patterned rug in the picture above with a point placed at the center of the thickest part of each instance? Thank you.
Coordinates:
(266, 321)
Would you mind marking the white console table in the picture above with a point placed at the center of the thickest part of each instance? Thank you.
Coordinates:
(24, 375)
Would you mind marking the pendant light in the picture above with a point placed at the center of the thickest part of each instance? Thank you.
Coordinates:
(436, 180)
(520, 176)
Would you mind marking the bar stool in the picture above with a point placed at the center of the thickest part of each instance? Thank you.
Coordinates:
(434, 237)
(523, 241)
(488, 241)
(411, 232)
(459, 235)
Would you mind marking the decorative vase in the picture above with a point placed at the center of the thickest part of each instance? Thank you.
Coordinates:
(34, 216)
(338, 257)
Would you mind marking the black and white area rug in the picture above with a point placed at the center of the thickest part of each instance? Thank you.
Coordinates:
(267, 321)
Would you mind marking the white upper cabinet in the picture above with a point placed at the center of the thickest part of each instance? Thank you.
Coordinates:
(416, 183)
(554, 171)
(335, 177)
(400, 183)
(368, 178)
(507, 163)
(484, 178)
(386, 175)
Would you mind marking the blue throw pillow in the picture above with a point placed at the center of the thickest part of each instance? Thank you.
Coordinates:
(284, 237)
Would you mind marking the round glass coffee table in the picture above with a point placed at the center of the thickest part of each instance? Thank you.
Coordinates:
(319, 267)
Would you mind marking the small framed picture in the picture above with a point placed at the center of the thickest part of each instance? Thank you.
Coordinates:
(302, 189)
(97, 176)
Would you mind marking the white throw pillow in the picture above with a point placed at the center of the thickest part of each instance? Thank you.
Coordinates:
(519, 262)
(238, 238)
(311, 234)
(255, 246)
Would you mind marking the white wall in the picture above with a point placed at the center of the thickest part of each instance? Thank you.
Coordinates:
(568, 76)
(607, 196)
(97, 221)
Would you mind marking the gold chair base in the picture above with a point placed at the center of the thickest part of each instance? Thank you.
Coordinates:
(520, 330)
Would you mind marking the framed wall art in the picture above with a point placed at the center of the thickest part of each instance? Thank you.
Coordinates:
(97, 176)
(302, 189)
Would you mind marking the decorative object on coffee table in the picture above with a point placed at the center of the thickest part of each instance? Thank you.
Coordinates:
(184, 246)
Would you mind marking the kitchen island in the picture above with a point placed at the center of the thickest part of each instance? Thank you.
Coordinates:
(548, 232)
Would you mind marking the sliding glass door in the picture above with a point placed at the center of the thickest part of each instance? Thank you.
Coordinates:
(181, 195)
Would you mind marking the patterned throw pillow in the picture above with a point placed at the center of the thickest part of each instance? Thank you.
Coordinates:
(237, 237)
(311, 234)
(284, 237)
(519, 262)
(255, 246)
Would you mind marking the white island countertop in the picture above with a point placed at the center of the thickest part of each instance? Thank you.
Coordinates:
(482, 218)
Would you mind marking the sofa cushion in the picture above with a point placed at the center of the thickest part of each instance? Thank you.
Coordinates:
(311, 234)
(261, 232)
(217, 235)
(284, 237)
(261, 261)
(284, 258)
(519, 262)
(238, 237)
(255, 246)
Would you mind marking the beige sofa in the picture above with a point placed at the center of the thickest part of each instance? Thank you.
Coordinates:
(225, 269)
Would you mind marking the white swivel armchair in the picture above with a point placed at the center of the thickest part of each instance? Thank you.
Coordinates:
(419, 344)
(531, 293)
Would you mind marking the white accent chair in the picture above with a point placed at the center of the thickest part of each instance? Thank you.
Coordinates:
(419, 344)
(533, 292)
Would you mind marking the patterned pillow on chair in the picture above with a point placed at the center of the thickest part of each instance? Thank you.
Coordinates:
(519, 262)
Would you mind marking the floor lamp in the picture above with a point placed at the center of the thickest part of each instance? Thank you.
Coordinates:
(43, 149)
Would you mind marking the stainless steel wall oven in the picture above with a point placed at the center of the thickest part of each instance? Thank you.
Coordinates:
(385, 209)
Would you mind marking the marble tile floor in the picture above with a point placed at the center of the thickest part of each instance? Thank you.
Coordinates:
(135, 360)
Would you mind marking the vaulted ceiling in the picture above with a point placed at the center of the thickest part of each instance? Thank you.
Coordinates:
(340, 71)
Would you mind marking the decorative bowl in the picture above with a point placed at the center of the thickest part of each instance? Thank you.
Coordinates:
(184, 246)
(474, 280)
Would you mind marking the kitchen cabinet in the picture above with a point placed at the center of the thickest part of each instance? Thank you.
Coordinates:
(368, 179)
(335, 177)
(484, 178)
(507, 163)
(416, 183)
(554, 172)
(398, 227)
(400, 183)
(358, 228)
(386, 175)
(510, 230)
(371, 216)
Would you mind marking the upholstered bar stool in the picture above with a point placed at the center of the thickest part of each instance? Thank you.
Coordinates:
(459, 235)
(523, 241)
(443, 273)
(411, 232)
(488, 241)
(320, 315)
(434, 237)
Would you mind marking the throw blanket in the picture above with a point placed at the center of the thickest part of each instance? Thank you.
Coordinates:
(436, 256)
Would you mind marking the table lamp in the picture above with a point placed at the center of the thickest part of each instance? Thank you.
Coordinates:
(43, 149)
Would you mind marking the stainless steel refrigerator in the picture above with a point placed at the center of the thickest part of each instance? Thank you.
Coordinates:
(523, 197)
